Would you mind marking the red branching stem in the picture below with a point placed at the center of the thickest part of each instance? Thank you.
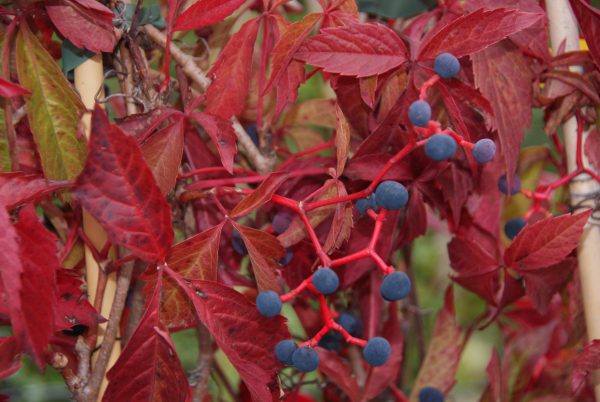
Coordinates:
(296, 291)
(359, 255)
(70, 241)
(428, 84)
(325, 260)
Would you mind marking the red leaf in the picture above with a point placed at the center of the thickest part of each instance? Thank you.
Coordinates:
(586, 362)
(10, 357)
(542, 283)
(148, 369)
(205, 12)
(341, 227)
(72, 306)
(476, 31)
(509, 94)
(359, 50)
(226, 95)
(163, 153)
(142, 125)
(467, 257)
(118, 189)
(222, 135)
(265, 251)
(589, 22)
(247, 338)
(86, 23)
(592, 148)
(497, 382)
(443, 354)
(9, 89)
(338, 371)
(261, 195)
(194, 258)
(546, 242)
(19, 188)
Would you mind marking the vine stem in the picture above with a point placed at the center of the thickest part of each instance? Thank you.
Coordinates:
(564, 28)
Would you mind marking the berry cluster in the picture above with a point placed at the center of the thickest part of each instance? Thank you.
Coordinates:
(375, 202)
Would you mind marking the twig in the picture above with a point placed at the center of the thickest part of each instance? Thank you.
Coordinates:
(201, 374)
(127, 79)
(196, 74)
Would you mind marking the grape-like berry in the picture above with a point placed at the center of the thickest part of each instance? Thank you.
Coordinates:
(268, 303)
(377, 351)
(395, 286)
(440, 147)
(391, 195)
(305, 359)
(363, 204)
(287, 258)
(281, 221)
(446, 65)
(351, 324)
(332, 340)
(430, 394)
(237, 243)
(419, 113)
(484, 150)
(515, 185)
(284, 350)
(325, 280)
(252, 133)
(512, 227)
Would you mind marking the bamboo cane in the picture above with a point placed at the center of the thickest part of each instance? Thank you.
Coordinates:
(563, 27)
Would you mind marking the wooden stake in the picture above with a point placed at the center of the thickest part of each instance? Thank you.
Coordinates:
(564, 28)
(89, 80)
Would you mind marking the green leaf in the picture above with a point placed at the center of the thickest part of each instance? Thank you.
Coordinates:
(5, 162)
(53, 109)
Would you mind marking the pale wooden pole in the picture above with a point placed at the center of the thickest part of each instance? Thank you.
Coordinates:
(564, 28)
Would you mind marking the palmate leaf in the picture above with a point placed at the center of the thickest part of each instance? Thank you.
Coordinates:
(53, 109)
(205, 12)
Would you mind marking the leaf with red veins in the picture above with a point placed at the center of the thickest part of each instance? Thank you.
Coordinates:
(193, 258)
(72, 306)
(342, 140)
(261, 195)
(542, 283)
(546, 242)
(341, 227)
(265, 251)
(586, 362)
(86, 23)
(10, 357)
(287, 46)
(163, 152)
(509, 93)
(476, 31)
(592, 148)
(456, 184)
(20, 188)
(204, 13)
(222, 135)
(9, 89)
(247, 338)
(443, 353)
(118, 189)
(589, 22)
(332, 366)
(359, 50)
(148, 368)
(226, 96)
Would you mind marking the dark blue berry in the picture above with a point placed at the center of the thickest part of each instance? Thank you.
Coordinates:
(377, 351)
(391, 195)
(332, 340)
(287, 258)
(512, 227)
(351, 324)
(268, 303)
(484, 150)
(305, 359)
(515, 185)
(446, 65)
(369, 202)
(238, 243)
(252, 133)
(284, 350)
(419, 113)
(325, 280)
(440, 147)
(281, 221)
(430, 394)
(395, 286)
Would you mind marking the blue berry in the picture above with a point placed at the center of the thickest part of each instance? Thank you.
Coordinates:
(238, 243)
(268, 303)
(325, 280)
(446, 65)
(252, 133)
(484, 150)
(430, 394)
(332, 340)
(369, 202)
(377, 351)
(284, 350)
(440, 147)
(391, 195)
(287, 258)
(419, 113)
(305, 359)
(395, 286)
(513, 226)
(351, 324)
(281, 221)
(515, 185)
